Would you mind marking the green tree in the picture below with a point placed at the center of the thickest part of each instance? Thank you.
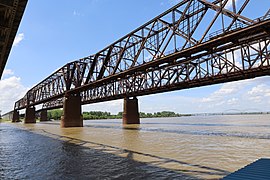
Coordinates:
(55, 114)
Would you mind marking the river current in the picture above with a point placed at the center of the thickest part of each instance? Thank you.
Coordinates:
(196, 147)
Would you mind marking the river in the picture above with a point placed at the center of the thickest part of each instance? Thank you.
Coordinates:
(196, 147)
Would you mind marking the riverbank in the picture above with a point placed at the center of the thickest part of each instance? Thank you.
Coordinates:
(93, 115)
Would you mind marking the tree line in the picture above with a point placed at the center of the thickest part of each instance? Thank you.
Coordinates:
(57, 113)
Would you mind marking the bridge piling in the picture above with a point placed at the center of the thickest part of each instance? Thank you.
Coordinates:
(72, 111)
(30, 115)
(15, 116)
(131, 111)
(43, 115)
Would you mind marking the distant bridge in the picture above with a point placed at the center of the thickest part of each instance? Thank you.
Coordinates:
(195, 43)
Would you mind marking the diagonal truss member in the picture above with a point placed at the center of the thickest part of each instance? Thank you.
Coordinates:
(195, 43)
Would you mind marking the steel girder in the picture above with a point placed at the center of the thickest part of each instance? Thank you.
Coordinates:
(247, 60)
(173, 51)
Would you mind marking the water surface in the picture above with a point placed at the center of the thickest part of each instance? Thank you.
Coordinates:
(197, 147)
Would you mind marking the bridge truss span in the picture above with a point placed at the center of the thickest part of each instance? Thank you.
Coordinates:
(248, 60)
(206, 70)
(195, 43)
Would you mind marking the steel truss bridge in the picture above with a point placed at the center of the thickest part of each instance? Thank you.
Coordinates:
(195, 43)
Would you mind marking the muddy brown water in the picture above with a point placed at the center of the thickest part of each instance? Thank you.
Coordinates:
(198, 147)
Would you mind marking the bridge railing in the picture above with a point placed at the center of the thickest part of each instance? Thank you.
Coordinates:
(221, 32)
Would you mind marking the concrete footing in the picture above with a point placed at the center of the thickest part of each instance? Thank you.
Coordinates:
(16, 116)
(30, 115)
(43, 115)
(72, 116)
(131, 111)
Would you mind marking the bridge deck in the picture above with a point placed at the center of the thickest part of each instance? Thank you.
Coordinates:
(259, 170)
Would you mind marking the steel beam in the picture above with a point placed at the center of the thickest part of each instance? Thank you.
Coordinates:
(163, 55)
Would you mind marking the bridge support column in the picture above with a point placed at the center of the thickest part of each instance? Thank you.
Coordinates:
(16, 116)
(72, 110)
(43, 115)
(131, 111)
(30, 115)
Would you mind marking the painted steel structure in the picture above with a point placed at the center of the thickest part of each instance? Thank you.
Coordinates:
(11, 12)
(195, 43)
(256, 170)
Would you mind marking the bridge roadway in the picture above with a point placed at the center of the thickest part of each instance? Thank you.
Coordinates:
(170, 52)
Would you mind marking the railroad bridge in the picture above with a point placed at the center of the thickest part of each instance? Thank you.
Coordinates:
(195, 43)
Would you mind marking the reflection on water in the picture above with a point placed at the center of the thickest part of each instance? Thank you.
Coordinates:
(187, 148)
(26, 155)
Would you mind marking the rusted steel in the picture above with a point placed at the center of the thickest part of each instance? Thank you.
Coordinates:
(170, 52)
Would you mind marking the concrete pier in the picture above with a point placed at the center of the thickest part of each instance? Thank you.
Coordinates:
(15, 116)
(43, 115)
(30, 115)
(131, 111)
(72, 110)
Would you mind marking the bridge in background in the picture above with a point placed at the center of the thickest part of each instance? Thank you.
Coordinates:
(195, 43)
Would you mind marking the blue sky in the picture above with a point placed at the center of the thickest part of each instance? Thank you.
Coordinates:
(54, 32)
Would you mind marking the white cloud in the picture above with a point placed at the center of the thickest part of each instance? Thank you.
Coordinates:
(233, 101)
(7, 72)
(259, 93)
(171, 101)
(242, 95)
(18, 39)
(11, 90)
(226, 90)
(260, 89)
(76, 13)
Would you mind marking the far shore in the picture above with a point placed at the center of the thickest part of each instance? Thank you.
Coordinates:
(55, 115)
